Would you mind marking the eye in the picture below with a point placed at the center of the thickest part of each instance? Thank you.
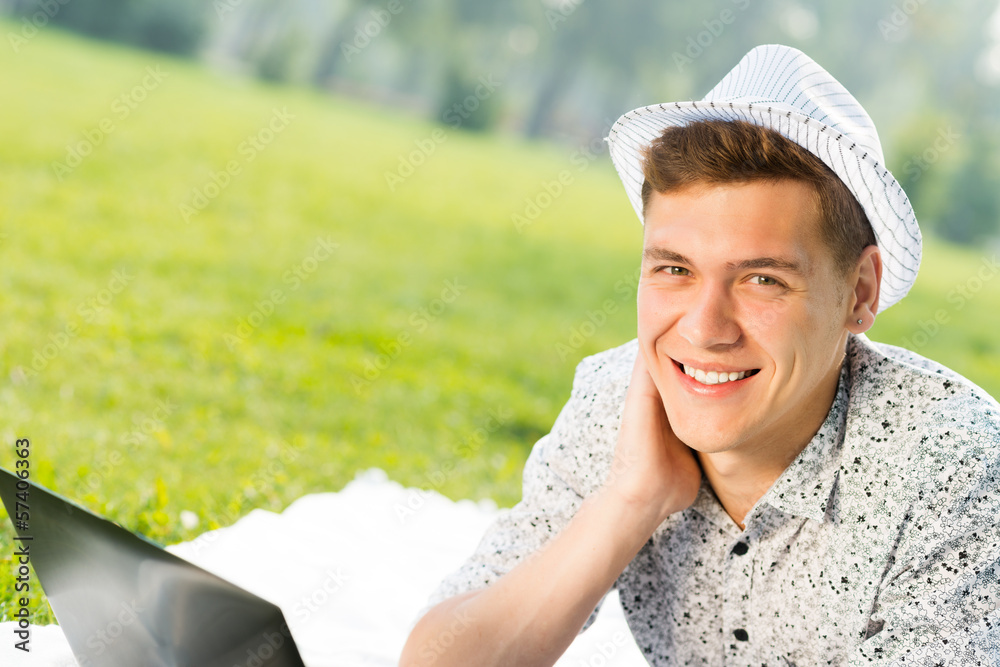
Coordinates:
(766, 281)
(677, 271)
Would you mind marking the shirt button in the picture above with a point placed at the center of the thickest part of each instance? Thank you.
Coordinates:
(741, 635)
(741, 548)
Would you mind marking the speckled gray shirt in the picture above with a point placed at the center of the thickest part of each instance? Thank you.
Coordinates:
(879, 544)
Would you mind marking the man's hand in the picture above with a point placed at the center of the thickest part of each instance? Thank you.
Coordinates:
(530, 615)
(652, 469)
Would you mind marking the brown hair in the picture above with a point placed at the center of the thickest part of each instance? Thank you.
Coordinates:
(718, 152)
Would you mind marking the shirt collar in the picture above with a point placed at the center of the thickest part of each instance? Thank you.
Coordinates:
(804, 488)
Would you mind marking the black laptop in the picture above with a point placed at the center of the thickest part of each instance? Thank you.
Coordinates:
(123, 601)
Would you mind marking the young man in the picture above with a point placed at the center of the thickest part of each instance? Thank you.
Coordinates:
(761, 483)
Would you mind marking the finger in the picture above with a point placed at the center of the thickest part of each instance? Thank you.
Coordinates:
(641, 380)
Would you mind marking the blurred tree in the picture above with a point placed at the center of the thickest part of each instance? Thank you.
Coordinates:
(477, 68)
(972, 209)
(564, 69)
(175, 27)
(950, 168)
(108, 19)
(277, 61)
(927, 154)
(331, 49)
(620, 42)
(250, 23)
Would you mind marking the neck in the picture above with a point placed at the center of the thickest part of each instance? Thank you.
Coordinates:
(741, 476)
(739, 482)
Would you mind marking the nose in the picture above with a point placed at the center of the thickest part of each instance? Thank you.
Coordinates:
(708, 319)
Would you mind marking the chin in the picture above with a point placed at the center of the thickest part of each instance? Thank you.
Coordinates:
(702, 436)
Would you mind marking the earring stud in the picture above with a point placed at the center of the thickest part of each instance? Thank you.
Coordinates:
(860, 321)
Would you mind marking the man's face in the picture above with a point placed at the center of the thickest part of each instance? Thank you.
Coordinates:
(737, 283)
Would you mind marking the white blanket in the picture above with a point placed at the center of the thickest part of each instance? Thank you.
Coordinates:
(350, 571)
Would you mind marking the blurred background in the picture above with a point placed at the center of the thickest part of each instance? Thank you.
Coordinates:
(249, 248)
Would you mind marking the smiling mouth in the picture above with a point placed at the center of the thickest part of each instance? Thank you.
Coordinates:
(716, 377)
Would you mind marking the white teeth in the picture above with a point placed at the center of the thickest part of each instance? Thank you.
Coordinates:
(714, 377)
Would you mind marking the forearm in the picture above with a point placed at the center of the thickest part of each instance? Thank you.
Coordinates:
(532, 614)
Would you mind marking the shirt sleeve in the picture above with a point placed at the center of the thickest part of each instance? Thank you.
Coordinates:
(941, 604)
(547, 506)
(562, 469)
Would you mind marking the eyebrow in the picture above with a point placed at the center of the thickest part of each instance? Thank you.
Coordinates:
(664, 255)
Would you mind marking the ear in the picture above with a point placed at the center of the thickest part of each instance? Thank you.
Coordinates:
(864, 284)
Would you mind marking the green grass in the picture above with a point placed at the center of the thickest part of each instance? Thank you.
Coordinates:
(147, 409)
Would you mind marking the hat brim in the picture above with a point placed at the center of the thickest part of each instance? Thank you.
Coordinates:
(880, 195)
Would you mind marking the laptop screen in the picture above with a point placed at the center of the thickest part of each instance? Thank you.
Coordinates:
(123, 601)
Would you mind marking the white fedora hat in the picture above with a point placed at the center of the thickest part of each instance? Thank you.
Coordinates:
(783, 89)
